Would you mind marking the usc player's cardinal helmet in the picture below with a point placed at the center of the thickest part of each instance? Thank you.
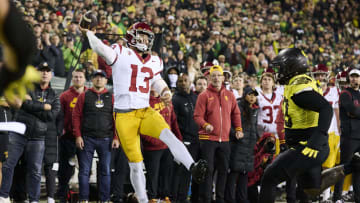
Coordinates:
(290, 62)
(133, 36)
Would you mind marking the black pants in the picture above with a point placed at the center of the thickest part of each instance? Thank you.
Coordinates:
(348, 147)
(236, 187)
(50, 176)
(119, 172)
(211, 150)
(158, 164)
(182, 177)
(289, 164)
(67, 151)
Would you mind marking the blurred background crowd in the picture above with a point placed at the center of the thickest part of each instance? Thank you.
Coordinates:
(242, 35)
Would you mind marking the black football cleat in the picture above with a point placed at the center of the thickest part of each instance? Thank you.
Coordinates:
(199, 171)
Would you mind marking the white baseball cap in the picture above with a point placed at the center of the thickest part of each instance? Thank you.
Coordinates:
(355, 71)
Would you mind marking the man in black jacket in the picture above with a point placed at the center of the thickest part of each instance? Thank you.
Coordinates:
(41, 107)
(184, 101)
(350, 132)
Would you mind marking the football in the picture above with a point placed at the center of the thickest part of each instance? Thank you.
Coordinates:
(89, 20)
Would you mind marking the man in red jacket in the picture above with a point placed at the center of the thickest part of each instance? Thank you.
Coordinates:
(67, 148)
(216, 109)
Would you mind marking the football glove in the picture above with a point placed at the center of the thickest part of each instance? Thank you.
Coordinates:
(18, 88)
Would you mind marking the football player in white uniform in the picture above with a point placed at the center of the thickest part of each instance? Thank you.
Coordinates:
(269, 104)
(135, 72)
(331, 94)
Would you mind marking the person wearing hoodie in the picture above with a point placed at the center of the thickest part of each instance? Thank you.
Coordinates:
(242, 149)
(171, 77)
(157, 156)
(216, 109)
(93, 127)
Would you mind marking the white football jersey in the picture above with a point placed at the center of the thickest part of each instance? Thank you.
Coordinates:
(268, 108)
(133, 77)
(331, 94)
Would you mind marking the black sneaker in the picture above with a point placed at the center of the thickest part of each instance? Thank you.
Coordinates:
(199, 170)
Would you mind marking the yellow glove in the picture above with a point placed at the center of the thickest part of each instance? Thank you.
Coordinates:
(307, 151)
(17, 89)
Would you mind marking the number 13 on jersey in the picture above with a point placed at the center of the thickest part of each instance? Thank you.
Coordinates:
(135, 79)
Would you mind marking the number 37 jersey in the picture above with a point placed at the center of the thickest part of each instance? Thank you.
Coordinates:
(268, 109)
(132, 77)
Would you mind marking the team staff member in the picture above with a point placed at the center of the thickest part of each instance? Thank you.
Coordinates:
(350, 132)
(44, 94)
(184, 101)
(67, 147)
(306, 126)
(216, 109)
(93, 126)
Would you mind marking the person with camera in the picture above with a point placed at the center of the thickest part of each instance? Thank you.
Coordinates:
(216, 109)
(242, 149)
(264, 155)
(306, 126)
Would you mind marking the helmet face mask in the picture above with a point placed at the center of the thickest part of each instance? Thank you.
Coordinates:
(140, 36)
